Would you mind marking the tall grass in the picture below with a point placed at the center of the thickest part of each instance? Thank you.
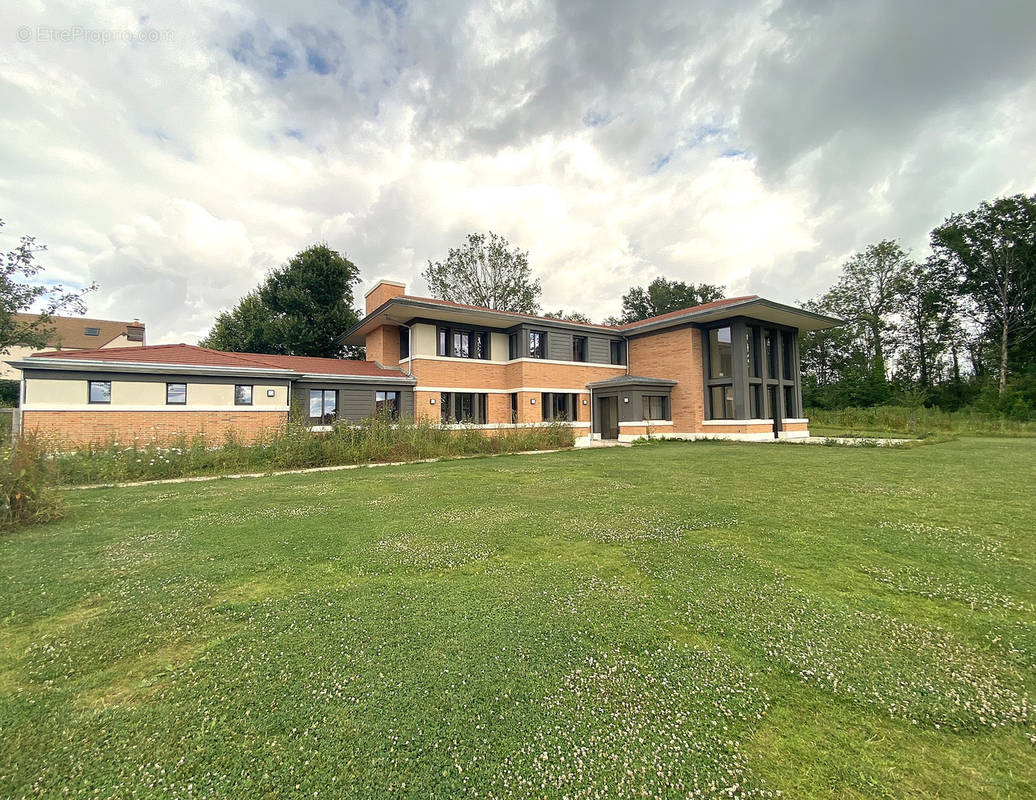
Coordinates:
(374, 440)
(915, 421)
(25, 491)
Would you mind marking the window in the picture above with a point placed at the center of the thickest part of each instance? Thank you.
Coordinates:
(461, 344)
(618, 352)
(387, 403)
(135, 333)
(721, 357)
(787, 355)
(537, 344)
(722, 402)
(770, 349)
(512, 346)
(514, 408)
(656, 406)
(92, 331)
(579, 348)
(100, 391)
(404, 343)
(468, 407)
(176, 394)
(559, 406)
(480, 345)
(242, 395)
(755, 401)
(323, 405)
(752, 351)
(789, 402)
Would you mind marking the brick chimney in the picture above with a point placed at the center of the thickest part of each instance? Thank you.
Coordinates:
(382, 291)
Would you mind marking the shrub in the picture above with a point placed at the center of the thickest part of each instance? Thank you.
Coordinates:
(918, 420)
(25, 486)
(378, 439)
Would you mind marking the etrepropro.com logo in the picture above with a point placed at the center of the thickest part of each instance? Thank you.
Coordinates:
(81, 33)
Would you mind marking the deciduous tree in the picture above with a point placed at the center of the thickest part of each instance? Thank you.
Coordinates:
(485, 271)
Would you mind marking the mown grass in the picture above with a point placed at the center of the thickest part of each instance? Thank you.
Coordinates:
(698, 619)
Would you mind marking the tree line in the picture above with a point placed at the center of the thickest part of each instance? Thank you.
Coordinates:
(955, 328)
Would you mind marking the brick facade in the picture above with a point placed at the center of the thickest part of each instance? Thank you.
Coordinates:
(383, 345)
(144, 427)
(674, 355)
(382, 292)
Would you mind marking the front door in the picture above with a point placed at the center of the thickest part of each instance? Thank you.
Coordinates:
(775, 411)
(608, 417)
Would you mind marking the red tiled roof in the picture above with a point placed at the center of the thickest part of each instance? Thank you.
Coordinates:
(680, 312)
(194, 356)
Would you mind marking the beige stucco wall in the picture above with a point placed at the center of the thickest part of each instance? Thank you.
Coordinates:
(498, 347)
(148, 392)
(423, 342)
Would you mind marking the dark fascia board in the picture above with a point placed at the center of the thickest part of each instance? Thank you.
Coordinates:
(494, 319)
(630, 380)
(82, 365)
(744, 308)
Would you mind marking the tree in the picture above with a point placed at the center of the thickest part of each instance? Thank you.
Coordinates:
(928, 305)
(485, 271)
(662, 296)
(21, 292)
(994, 250)
(571, 316)
(300, 309)
(866, 297)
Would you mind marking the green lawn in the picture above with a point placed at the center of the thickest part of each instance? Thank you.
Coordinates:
(661, 621)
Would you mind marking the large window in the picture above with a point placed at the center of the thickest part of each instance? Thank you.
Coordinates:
(579, 348)
(558, 406)
(514, 408)
(323, 405)
(787, 355)
(459, 343)
(100, 391)
(513, 348)
(387, 403)
(467, 407)
(770, 348)
(755, 401)
(618, 352)
(789, 402)
(176, 394)
(752, 350)
(721, 357)
(722, 402)
(404, 343)
(242, 395)
(656, 406)
(537, 344)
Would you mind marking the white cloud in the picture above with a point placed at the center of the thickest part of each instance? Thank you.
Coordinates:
(754, 144)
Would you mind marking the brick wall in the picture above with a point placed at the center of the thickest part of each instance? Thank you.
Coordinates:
(383, 291)
(676, 355)
(382, 345)
(82, 427)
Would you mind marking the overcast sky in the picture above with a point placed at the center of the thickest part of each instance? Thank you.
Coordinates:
(751, 144)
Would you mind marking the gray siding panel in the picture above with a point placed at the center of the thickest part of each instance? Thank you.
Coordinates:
(559, 346)
(355, 402)
(599, 350)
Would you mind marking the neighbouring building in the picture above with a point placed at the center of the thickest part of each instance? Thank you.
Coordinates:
(77, 333)
(727, 369)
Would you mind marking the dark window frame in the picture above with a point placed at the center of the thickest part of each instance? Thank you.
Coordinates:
(647, 400)
(580, 348)
(324, 412)
(540, 350)
(169, 402)
(404, 343)
(90, 393)
(451, 411)
(479, 342)
(251, 394)
(394, 403)
(90, 331)
(617, 352)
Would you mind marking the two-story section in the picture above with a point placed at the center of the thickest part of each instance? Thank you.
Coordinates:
(725, 369)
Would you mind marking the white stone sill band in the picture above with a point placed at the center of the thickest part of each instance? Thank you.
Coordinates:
(460, 426)
(651, 423)
(789, 421)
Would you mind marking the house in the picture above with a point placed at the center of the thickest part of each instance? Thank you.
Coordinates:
(76, 333)
(724, 369)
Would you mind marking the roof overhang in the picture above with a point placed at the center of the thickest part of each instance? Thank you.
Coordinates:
(401, 310)
(757, 308)
(631, 381)
(95, 365)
